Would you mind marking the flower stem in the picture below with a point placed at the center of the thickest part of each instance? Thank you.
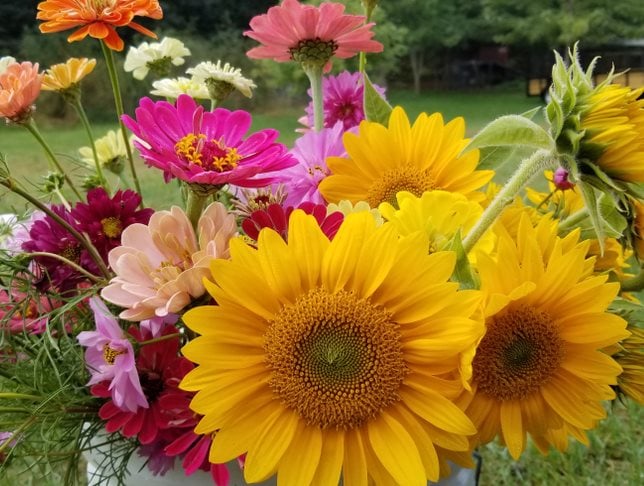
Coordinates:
(314, 73)
(91, 249)
(573, 220)
(88, 129)
(368, 12)
(213, 104)
(634, 284)
(33, 129)
(159, 339)
(118, 103)
(536, 163)
(194, 207)
(67, 262)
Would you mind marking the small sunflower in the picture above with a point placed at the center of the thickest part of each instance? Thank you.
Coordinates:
(383, 161)
(540, 368)
(351, 349)
(631, 359)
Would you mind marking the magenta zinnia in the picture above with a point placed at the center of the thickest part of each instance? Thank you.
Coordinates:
(200, 147)
(305, 33)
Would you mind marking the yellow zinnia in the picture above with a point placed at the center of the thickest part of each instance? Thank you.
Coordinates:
(383, 161)
(324, 358)
(540, 368)
(61, 77)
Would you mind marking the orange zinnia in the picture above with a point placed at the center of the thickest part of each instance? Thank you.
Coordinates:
(97, 18)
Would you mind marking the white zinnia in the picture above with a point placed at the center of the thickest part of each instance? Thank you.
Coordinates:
(5, 62)
(208, 71)
(110, 149)
(173, 87)
(140, 59)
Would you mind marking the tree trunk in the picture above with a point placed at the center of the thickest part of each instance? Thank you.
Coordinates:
(416, 60)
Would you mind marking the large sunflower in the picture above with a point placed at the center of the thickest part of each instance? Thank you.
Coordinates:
(540, 368)
(324, 358)
(383, 161)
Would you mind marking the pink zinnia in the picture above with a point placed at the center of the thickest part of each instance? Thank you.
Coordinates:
(311, 151)
(343, 100)
(305, 33)
(202, 147)
(160, 266)
(19, 87)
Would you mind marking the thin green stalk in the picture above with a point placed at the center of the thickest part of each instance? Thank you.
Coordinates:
(91, 249)
(368, 7)
(118, 103)
(634, 284)
(573, 220)
(159, 339)
(78, 105)
(213, 104)
(33, 129)
(194, 207)
(535, 164)
(67, 262)
(314, 73)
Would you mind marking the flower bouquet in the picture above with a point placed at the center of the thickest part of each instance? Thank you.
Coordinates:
(366, 306)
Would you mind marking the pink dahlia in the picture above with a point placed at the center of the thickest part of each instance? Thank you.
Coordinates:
(311, 151)
(104, 218)
(160, 267)
(343, 100)
(277, 217)
(202, 147)
(160, 369)
(305, 33)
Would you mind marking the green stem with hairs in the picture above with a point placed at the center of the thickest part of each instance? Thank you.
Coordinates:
(535, 164)
(91, 249)
(368, 11)
(634, 284)
(54, 164)
(573, 220)
(118, 103)
(314, 73)
(194, 207)
(78, 106)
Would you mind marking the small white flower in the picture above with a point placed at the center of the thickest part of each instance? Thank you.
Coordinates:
(110, 149)
(173, 87)
(210, 73)
(156, 56)
(5, 61)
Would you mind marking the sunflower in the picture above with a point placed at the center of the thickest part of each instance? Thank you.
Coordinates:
(631, 359)
(351, 350)
(383, 161)
(540, 368)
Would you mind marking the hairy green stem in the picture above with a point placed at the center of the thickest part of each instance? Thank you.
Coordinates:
(33, 129)
(91, 249)
(78, 106)
(536, 163)
(194, 207)
(314, 73)
(634, 284)
(573, 220)
(118, 103)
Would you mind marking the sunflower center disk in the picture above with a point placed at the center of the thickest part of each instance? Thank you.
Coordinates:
(403, 178)
(335, 359)
(519, 353)
(212, 155)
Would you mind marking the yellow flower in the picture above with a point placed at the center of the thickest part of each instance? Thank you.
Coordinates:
(631, 359)
(61, 77)
(383, 161)
(438, 214)
(540, 368)
(111, 152)
(613, 120)
(347, 208)
(328, 357)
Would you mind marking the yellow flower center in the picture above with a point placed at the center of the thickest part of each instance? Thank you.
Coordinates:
(112, 227)
(335, 359)
(521, 350)
(110, 354)
(212, 155)
(403, 178)
(71, 252)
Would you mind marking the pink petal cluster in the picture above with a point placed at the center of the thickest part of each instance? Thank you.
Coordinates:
(19, 312)
(19, 87)
(283, 27)
(110, 358)
(160, 266)
(200, 147)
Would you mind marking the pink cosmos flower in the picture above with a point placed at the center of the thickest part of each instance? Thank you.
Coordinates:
(293, 31)
(19, 87)
(160, 266)
(343, 100)
(110, 358)
(206, 147)
(311, 151)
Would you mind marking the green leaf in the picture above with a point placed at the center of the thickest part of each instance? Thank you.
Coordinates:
(462, 271)
(590, 200)
(512, 130)
(614, 222)
(376, 108)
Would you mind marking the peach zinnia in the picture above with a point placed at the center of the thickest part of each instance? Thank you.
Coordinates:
(19, 87)
(304, 33)
(97, 18)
